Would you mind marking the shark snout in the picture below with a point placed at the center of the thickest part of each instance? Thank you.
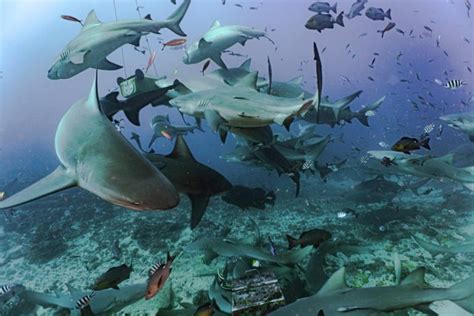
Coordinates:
(52, 74)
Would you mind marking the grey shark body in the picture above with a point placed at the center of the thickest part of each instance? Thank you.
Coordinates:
(335, 298)
(427, 166)
(190, 177)
(90, 48)
(218, 39)
(162, 127)
(452, 250)
(97, 158)
(461, 121)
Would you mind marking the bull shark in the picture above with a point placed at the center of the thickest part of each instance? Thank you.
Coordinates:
(335, 298)
(162, 127)
(461, 121)
(452, 250)
(335, 113)
(190, 177)
(214, 247)
(90, 48)
(97, 158)
(106, 301)
(217, 39)
(303, 153)
(427, 166)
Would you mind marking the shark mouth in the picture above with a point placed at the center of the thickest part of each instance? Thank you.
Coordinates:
(167, 135)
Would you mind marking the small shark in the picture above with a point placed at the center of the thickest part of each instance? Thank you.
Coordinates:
(103, 302)
(190, 177)
(427, 166)
(214, 247)
(453, 250)
(335, 298)
(97, 158)
(338, 112)
(216, 40)
(90, 48)
(303, 153)
(461, 121)
(162, 127)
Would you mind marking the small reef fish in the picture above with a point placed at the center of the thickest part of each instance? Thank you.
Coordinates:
(387, 162)
(387, 28)
(205, 66)
(71, 18)
(113, 277)
(347, 213)
(408, 144)
(314, 237)
(174, 43)
(377, 14)
(84, 301)
(323, 7)
(454, 84)
(272, 247)
(116, 251)
(157, 280)
(206, 309)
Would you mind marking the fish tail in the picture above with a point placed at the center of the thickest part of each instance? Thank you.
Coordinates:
(425, 143)
(292, 242)
(169, 257)
(388, 14)
(339, 19)
(334, 7)
(172, 22)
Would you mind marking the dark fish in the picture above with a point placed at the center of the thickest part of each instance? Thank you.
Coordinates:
(253, 8)
(362, 35)
(408, 144)
(205, 66)
(387, 162)
(174, 42)
(206, 309)
(400, 31)
(322, 7)
(84, 301)
(245, 197)
(466, 40)
(467, 3)
(370, 78)
(314, 237)
(71, 18)
(387, 28)
(373, 61)
(113, 277)
(320, 22)
(238, 5)
(376, 54)
(428, 28)
(446, 53)
(469, 69)
(418, 77)
(377, 14)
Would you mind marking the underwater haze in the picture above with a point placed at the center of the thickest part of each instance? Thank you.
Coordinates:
(291, 146)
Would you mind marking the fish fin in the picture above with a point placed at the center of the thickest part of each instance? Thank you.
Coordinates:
(91, 20)
(204, 44)
(297, 80)
(334, 283)
(181, 150)
(425, 143)
(388, 14)
(133, 116)
(214, 119)
(469, 186)
(112, 97)
(105, 64)
(56, 181)
(199, 204)
(466, 303)
(339, 19)
(215, 25)
(78, 58)
(209, 255)
(148, 17)
(292, 242)
(287, 122)
(116, 287)
(223, 135)
(218, 60)
(249, 81)
(416, 278)
(246, 64)
(136, 42)
(172, 22)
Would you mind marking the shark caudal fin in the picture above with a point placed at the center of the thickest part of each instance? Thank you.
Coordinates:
(363, 116)
(466, 290)
(173, 21)
(314, 151)
(56, 181)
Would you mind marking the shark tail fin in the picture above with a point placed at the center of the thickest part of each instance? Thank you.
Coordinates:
(172, 22)
(292, 242)
(465, 286)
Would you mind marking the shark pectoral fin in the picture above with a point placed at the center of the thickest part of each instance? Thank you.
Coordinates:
(56, 181)
(416, 278)
(214, 119)
(209, 255)
(204, 44)
(133, 116)
(136, 42)
(78, 58)
(334, 283)
(199, 204)
(218, 60)
(105, 64)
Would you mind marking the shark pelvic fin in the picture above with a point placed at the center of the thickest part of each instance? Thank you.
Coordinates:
(249, 81)
(416, 278)
(78, 58)
(217, 59)
(203, 43)
(214, 120)
(181, 150)
(105, 64)
(133, 116)
(91, 20)
(215, 25)
(336, 282)
(199, 204)
(56, 181)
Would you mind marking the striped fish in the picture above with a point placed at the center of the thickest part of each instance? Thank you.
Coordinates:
(5, 289)
(454, 84)
(84, 301)
(155, 268)
(308, 164)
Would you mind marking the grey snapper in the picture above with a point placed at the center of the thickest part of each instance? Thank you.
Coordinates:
(377, 14)
(320, 22)
(356, 9)
(90, 48)
(322, 7)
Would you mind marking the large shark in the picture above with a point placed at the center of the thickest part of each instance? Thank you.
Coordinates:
(241, 105)
(452, 250)
(335, 298)
(190, 177)
(216, 40)
(103, 302)
(461, 121)
(427, 166)
(97, 158)
(90, 48)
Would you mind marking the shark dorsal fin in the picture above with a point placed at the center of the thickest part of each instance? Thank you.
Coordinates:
(215, 25)
(246, 64)
(449, 158)
(416, 278)
(297, 80)
(249, 81)
(148, 17)
(335, 282)
(181, 150)
(93, 98)
(325, 99)
(91, 20)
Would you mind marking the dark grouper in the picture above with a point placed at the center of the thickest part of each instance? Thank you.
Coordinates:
(314, 237)
(246, 198)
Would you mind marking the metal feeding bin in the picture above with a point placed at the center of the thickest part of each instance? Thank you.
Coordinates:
(257, 293)
(136, 84)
